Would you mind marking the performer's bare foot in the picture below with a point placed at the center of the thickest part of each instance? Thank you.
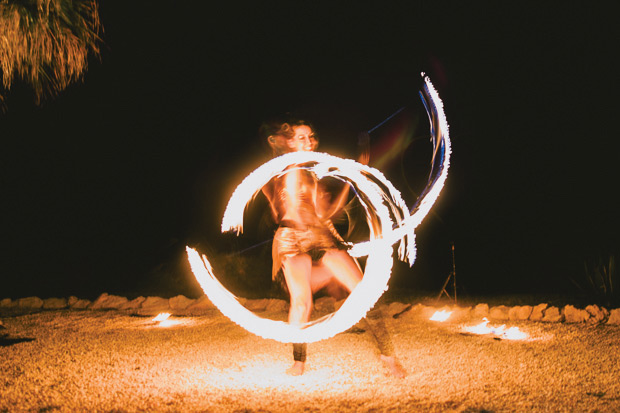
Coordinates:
(297, 369)
(396, 369)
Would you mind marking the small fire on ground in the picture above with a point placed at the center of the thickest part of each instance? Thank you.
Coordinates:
(164, 320)
(441, 316)
(512, 333)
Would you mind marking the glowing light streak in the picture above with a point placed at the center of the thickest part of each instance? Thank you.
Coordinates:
(441, 316)
(411, 222)
(512, 333)
(365, 295)
(382, 209)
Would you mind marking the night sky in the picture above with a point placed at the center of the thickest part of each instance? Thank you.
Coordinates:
(104, 185)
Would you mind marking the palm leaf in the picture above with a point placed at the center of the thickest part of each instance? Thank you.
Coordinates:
(46, 43)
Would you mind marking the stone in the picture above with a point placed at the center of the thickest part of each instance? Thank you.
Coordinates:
(30, 303)
(597, 314)
(72, 300)
(80, 304)
(538, 311)
(97, 303)
(574, 315)
(552, 315)
(460, 313)
(396, 309)
(154, 306)
(6, 303)
(481, 311)
(180, 302)
(106, 302)
(54, 303)
(426, 312)
(133, 304)
(614, 316)
(499, 312)
(200, 305)
(417, 311)
(520, 312)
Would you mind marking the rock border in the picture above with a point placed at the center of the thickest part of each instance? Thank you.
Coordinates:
(184, 306)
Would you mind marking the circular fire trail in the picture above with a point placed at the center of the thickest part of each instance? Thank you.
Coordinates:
(389, 220)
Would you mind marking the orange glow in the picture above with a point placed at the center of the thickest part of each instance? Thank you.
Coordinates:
(441, 316)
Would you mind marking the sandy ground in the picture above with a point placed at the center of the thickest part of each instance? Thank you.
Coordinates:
(111, 361)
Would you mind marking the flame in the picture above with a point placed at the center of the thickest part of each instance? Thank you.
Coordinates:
(361, 299)
(165, 321)
(512, 333)
(162, 317)
(441, 316)
(389, 221)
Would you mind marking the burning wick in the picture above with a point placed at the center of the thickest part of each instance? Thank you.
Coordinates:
(441, 315)
(512, 333)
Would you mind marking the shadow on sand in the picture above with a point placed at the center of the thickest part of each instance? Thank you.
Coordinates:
(9, 341)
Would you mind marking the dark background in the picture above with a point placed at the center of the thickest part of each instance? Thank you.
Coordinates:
(103, 186)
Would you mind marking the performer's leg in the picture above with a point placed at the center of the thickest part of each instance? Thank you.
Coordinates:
(344, 268)
(297, 272)
(347, 271)
(376, 325)
(299, 352)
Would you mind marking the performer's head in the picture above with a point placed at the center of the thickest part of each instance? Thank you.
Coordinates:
(291, 136)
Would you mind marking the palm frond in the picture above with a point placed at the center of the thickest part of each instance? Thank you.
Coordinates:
(601, 278)
(46, 42)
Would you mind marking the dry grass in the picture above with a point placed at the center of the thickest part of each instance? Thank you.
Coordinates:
(103, 361)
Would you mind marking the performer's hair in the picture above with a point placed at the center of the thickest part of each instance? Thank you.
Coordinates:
(277, 132)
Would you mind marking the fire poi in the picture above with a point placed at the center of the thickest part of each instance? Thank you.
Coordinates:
(389, 220)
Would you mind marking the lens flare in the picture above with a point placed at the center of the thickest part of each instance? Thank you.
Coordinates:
(388, 217)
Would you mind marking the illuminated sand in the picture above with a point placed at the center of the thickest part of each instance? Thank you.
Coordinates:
(109, 360)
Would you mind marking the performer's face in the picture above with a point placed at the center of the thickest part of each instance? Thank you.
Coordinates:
(303, 140)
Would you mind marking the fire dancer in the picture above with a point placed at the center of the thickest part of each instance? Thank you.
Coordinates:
(308, 253)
